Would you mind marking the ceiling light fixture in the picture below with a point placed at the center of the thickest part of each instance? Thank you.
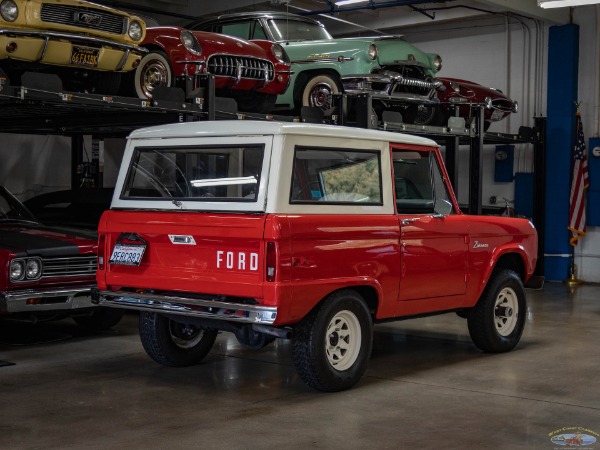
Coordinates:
(349, 2)
(564, 3)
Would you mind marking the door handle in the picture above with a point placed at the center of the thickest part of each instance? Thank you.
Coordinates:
(408, 221)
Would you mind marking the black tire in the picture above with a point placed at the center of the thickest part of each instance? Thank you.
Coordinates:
(496, 323)
(425, 115)
(256, 102)
(320, 362)
(154, 70)
(317, 90)
(100, 319)
(172, 343)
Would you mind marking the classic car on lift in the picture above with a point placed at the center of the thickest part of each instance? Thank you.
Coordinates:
(47, 273)
(465, 96)
(388, 67)
(253, 73)
(86, 44)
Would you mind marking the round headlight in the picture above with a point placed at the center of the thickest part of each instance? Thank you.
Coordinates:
(17, 270)
(9, 10)
(190, 42)
(280, 53)
(135, 30)
(33, 269)
(437, 62)
(372, 52)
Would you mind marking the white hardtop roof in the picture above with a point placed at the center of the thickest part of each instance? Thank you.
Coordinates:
(259, 128)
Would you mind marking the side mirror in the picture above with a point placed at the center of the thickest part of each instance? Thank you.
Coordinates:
(443, 207)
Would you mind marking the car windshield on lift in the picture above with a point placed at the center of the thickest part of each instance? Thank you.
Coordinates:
(297, 30)
(195, 173)
(12, 209)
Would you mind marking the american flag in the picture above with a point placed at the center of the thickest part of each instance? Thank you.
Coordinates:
(578, 186)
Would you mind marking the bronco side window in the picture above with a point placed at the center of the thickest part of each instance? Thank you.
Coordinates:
(418, 183)
(336, 176)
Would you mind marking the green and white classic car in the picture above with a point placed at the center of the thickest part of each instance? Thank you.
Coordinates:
(395, 72)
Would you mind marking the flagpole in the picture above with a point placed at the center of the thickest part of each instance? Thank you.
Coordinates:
(579, 184)
(572, 281)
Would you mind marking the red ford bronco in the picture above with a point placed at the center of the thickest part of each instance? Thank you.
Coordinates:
(305, 232)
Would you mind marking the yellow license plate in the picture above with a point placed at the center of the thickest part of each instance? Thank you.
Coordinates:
(85, 56)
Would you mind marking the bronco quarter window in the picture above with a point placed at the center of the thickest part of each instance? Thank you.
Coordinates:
(336, 176)
(195, 173)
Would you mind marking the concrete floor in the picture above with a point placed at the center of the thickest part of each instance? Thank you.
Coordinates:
(427, 387)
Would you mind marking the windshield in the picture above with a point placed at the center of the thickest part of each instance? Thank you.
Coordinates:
(195, 173)
(13, 209)
(297, 30)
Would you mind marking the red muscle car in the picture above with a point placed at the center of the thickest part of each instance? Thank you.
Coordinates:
(252, 72)
(464, 95)
(47, 273)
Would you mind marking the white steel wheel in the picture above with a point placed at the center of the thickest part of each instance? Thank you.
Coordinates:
(343, 340)
(332, 345)
(185, 336)
(154, 70)
(506, 311)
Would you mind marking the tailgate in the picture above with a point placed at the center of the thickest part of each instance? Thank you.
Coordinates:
(194, 252)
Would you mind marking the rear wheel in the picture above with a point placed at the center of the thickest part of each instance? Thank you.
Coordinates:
(425, 115)
(496, 323)
(332, 345)
(173, 343)
(154, 70)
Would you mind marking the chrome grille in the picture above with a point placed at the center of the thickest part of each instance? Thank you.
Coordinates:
(69, 267)
(75, 16)
(240, 66)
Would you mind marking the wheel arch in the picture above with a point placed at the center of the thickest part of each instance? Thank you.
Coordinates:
(368, 292)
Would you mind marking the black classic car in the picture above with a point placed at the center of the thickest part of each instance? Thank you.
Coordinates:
(47, 273)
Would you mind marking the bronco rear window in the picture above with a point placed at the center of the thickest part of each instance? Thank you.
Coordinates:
(215, 173)
(336, 176)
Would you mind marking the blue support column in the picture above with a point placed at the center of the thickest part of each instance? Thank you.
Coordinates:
(563, 62)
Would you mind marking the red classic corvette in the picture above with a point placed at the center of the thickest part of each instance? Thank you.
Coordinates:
(454, 92)
(252, 72)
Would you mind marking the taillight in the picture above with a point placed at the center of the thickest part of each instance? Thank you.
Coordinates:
(271, 261)
(101, 239)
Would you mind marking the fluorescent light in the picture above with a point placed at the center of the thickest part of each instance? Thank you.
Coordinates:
(349, 2)
(564, 3)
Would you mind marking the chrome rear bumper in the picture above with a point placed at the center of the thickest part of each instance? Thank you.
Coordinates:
(211, 309)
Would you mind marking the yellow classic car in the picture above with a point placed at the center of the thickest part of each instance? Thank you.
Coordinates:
(86, 44)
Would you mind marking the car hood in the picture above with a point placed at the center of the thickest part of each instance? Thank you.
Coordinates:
(481, 92)
(223, 44)
(28, 239)
(391, 50)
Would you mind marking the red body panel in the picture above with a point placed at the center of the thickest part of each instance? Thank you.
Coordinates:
(184, 62)
(227, 260)
(428, 265)
(473, 93)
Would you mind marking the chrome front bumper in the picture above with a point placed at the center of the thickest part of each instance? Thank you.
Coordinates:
(211, 309)
(392, 88)
(49, 299)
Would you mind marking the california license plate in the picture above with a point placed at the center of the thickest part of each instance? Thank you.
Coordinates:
(85, 56)
(127, 255)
